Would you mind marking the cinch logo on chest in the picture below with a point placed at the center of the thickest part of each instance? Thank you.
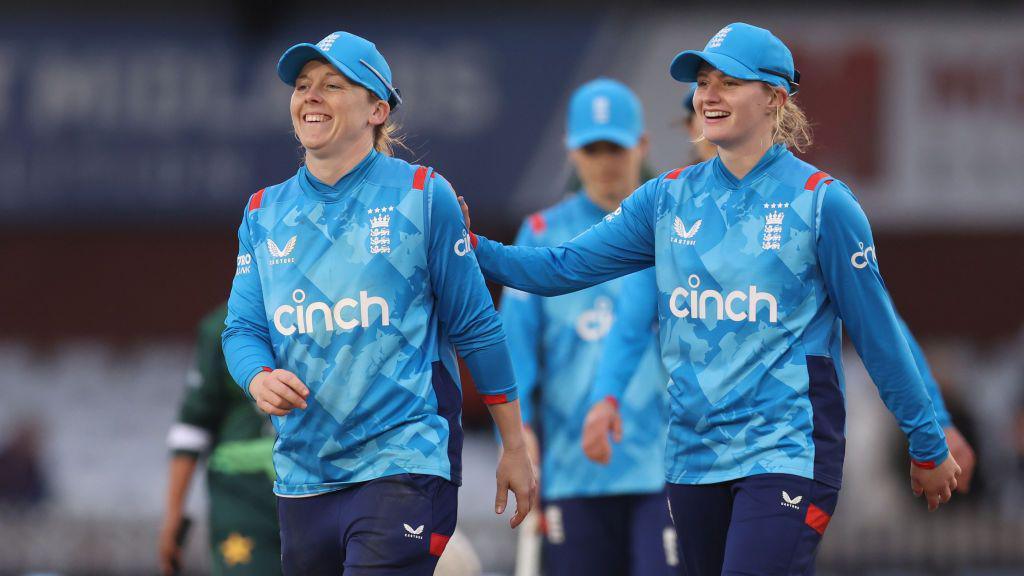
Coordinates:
(696, 303)
(288, 319)
(593, 324)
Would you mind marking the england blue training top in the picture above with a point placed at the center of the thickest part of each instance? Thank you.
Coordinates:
(755, 277)
(555, 344)
(362, 289)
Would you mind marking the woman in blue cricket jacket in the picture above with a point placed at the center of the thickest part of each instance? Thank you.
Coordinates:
(355, 284)
(636, 308)
(761, 260)
(608, 519)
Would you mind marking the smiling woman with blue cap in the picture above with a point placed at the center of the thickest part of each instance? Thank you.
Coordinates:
(761, 263)
(354, 287)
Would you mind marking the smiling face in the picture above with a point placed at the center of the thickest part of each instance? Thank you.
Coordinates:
(330, 113)
(735, 114)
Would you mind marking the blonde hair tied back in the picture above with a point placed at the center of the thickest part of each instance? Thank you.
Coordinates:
(386, 138)
(792, 127)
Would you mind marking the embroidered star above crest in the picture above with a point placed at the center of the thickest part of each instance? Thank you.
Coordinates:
(384, 209)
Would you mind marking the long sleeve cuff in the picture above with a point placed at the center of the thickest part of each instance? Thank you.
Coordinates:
(933, 450)
(248, 380)
(605, 387)
(491, 367)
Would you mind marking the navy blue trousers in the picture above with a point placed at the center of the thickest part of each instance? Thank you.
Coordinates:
(609, 536)
(763, 525)
(396, 525)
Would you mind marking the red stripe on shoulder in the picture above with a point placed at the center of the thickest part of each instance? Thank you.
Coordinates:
(816, 179)
(256, 199)
(438, 542)
(494, 398)
(537, 223)
(674, 174)
(420, 179)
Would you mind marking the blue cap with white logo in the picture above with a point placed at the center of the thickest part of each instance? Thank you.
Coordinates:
(741, 51)
(604, 110)
(355, 57)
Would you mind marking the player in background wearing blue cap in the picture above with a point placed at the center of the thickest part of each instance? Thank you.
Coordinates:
(599, 519)
(355, 285)
(761, 261)
(636, 310)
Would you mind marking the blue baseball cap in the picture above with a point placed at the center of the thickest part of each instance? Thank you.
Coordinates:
(355, 57)
(741, 51)
(604, 110)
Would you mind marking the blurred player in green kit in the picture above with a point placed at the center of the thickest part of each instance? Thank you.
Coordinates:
(217, 420)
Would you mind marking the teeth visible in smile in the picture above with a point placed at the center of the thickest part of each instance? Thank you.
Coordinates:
(316, 118)
(715, 114)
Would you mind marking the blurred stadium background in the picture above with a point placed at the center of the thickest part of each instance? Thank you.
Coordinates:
(132, 133)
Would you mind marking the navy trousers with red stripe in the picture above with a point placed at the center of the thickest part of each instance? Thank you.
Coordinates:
(765, 525)
(395, 525)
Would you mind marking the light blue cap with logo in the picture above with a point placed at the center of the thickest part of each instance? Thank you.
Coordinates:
(741, 51)
(604, 110)
(355, 57)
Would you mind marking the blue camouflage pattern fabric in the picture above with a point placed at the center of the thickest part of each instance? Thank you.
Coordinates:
(363, 289)
(637, 308)
(756, 279)
(556, 344)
